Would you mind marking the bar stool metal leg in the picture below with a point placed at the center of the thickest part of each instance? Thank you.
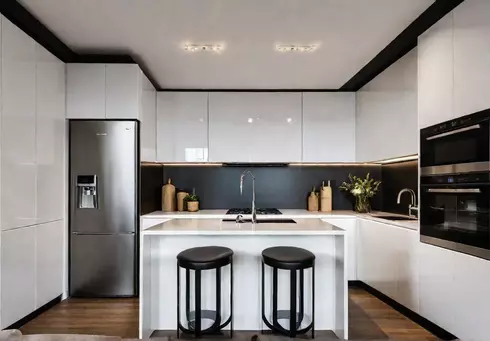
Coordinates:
(263, 297)
(197, 295)
(275, 322)
(301, 314)
(178, 301)
(313, 301)
(231, 300)
(292, 305)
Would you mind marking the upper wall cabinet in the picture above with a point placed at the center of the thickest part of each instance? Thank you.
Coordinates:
(182, 126)
(471, 57)
(148, 119)
(254, 127)
(329, 127)
(386, 117)
(85, 91)
(435, 73)
(99, 91)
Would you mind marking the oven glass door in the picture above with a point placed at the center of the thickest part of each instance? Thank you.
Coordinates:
(458, 214)
(463, 145)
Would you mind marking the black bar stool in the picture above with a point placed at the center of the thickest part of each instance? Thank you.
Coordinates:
(199, 259)
(293, 259)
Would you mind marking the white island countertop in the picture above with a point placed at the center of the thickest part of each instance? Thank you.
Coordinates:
(219, 227)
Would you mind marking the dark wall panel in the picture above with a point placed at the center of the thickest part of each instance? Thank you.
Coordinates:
(279, 187)
(395, 177)
(151, 188)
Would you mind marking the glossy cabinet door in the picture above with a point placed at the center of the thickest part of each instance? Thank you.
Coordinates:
(387, 260)
(350, 226)
(50, 238)
(18, 128)
(85, 91)
(329, 127)
(471, 57)
(123, 91)
(18, 274)
(435, 73)
(51, 136)
(386, 116)
(255, 127)
(182, 126)
(148, 127)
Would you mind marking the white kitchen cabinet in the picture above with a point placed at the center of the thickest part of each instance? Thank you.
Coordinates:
(435, 73)
(255, 127)
(123, 91)
(49, 261)
(471, 57)
(182, 126)
(50, 136)
(148, 127)
(85, 91)
(350, 226)
(18, 274)
(437, 286)
(329, 127)
(386, 115)
(387, 260)
(18, 128)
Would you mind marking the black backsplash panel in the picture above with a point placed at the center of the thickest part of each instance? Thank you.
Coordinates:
(395, 177)
(279, 187)
(151, 188)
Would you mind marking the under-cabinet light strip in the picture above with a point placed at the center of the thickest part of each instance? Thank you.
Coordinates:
(399, 159)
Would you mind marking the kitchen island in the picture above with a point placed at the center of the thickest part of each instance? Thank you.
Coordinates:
(161, 243)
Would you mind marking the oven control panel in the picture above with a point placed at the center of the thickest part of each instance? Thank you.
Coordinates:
(468, 178)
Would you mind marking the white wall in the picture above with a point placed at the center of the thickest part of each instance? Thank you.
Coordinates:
(32, 175)
(386, 115)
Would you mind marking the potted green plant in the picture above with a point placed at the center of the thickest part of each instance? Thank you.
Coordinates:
(362, 190)
(192, 202)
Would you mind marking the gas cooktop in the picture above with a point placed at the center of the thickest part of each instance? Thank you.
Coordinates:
(261, 211)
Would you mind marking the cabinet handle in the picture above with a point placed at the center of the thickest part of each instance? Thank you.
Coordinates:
(438, 136)
(454, 190)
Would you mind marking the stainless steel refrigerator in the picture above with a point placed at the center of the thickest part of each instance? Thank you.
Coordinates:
(104, 164)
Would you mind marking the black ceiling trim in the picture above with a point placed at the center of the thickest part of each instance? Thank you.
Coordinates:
(252, 90)
(18, 15)
(28, 23)
(401, 45)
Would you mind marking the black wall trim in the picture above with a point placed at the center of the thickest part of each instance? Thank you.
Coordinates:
(252, 90)
(35, 313)
(422, 321)
(401, 45)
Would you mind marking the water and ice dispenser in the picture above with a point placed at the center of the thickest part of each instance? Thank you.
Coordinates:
(87, 196)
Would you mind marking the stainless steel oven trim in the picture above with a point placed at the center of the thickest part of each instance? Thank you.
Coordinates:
(456, 168)
(454, 190)
(463, 248)
(452, 132)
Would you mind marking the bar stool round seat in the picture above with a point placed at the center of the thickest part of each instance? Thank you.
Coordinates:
(294, 260)
(288, 257)
(200, 259)
(205, 258)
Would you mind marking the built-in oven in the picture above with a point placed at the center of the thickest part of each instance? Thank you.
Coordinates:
(454, 212)
(458, 146)
(455, 184)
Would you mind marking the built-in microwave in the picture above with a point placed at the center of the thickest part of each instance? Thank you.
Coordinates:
(458, 146)
(455, 184)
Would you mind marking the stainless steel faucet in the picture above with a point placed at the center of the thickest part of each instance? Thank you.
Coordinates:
(254, 213)
(413, 204)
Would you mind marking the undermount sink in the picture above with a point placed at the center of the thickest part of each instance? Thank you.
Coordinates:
(393, 217)
(263, 221)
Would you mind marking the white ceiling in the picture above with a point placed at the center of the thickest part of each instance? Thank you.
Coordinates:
(351, 33)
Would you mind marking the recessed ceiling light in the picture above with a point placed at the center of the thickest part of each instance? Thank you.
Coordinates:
(250, 120)
(296, 48)
(217, 48)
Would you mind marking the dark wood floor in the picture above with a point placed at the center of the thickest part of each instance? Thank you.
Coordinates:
(369, 319)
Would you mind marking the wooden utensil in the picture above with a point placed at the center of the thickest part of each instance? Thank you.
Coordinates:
(326, 198)
(180, 200)
(168, 197)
